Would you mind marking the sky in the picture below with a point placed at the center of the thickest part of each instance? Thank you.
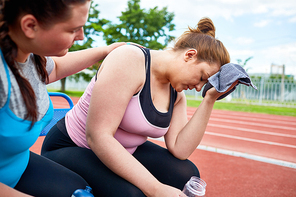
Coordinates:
(262, 29)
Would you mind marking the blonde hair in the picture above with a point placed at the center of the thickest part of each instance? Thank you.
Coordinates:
(202, 38)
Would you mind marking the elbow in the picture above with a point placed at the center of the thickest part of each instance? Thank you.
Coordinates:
(90, 140)
(182, 157)
(97, 141)
(179, 154)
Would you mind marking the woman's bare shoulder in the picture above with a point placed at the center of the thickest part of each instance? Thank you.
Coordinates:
(127, 53)
(124, 66)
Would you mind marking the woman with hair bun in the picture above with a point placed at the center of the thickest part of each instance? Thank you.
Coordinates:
(138, 93)
(30, 31)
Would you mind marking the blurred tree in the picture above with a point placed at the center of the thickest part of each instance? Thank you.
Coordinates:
(146, 27)
(239, 61)
(93, 27)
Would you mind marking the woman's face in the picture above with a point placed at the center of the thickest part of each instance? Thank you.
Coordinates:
(57, 40)
(194, 75)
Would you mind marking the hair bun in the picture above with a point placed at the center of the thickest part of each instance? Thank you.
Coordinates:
(206, 26)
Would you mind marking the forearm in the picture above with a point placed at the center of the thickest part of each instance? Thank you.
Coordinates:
(76, 61)
(192, 133)
(121, 162)
(181, 142)
(7, 191)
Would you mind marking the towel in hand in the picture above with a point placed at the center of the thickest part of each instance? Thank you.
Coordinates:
(225, 77)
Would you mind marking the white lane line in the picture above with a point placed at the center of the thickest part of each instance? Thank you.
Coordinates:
(246, 121)
(272, 121)
(253, 124)
(250, 140)
(244, 155)
(257, 115)
(248, 156)
(252, 130)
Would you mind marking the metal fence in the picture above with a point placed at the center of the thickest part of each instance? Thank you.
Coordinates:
(270, 92)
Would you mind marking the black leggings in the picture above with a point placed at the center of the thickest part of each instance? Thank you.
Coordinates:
(45, 178)
(159, 161)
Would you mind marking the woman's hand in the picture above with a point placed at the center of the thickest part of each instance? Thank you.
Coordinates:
(168, 191)
(113, 46)
(213, 93)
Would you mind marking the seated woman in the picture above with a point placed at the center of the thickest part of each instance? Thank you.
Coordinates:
(137, 93)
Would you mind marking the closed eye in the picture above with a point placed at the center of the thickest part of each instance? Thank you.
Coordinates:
(76, 29)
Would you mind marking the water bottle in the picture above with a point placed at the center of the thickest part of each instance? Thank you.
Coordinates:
(195, 187)
(83, 192)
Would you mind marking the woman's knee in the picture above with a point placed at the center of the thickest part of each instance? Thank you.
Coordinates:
(190, 169)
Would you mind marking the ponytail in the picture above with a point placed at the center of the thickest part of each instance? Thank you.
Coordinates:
(202, 38)
(9, 50)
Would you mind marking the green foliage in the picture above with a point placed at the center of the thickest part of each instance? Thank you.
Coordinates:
(239, 62)
(145, 27)
(93, 27)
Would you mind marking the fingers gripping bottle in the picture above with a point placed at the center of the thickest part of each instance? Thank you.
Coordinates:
(195, 187)
(83, 192)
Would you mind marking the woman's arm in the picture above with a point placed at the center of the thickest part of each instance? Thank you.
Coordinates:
(7, 191)
(121, 76)
(184, 136)
(76, 61)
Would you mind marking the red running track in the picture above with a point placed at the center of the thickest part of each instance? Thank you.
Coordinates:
(263, 135)
(230, 149)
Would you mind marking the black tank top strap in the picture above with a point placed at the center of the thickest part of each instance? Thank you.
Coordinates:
(154, 116)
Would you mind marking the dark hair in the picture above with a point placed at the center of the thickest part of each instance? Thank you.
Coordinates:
(202, 38)
(47, 13)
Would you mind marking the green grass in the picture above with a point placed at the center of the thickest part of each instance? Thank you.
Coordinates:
(243, 107)
(69, 93)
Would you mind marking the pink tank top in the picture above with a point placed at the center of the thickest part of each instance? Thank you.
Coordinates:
(141, 118)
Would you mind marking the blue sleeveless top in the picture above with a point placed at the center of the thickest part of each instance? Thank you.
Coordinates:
(16, 138)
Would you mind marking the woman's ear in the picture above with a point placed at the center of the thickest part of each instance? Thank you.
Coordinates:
(29, 25)
(190, 54)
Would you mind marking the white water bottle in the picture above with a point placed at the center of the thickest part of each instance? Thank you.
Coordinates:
(195, 187)
(83, 192)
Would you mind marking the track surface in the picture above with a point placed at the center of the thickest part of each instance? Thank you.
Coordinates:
(249, 136)
(264, 135)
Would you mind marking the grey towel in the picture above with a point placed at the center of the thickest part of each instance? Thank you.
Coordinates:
(225, 77)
